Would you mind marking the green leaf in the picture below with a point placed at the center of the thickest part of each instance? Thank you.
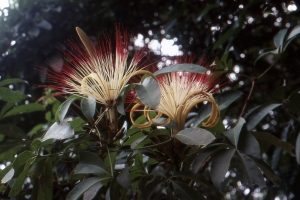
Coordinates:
(150, 189)
(223, 100)
(90, 163)
(88, 107)
(149, 92)
(181, 68)
(82, 187)
(45, 189)
(279, 38)
(59, 131)
(248, 144)
(22, 109)
(9, 95)
(192, 176)
(258, 114)
(294, 32)
(186, 192)
(195, 136)
(155, 133)
(22, 158)
(298, 148)
(219, 165)
(11, 81)
(92, 191)
(16, 188)
(8, 153)
(234, 134)
(63, 109)
(269, 138)
(6, 174)
(249, 172)
(267, 170)
(123, 178)
(12, 131)
(5, 108)
(122, 97)
(225, 36)
(134, 138)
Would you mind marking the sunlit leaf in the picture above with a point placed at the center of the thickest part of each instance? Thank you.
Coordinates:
(234, 134)
(219, 165)
(249, 172)
(181, 68)
(258, 114)
(88, 107)
(82, 187)
(63, 109)
(90, 163)
(195, 136)
(22, 109)
(9, 95)
(149, 92)
(59, 131)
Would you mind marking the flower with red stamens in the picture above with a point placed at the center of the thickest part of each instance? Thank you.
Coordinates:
(94, 70)
(181, 91)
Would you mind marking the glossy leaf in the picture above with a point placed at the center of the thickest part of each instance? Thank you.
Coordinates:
(9, 173)
(248, 144)
(123, 178)
(219, 165)
(22, 158)
(223, 100)
(63, 109)
(249, 172)
(149, 92)
(11, 81)
(269, 138)
(195, 136)
(22, 109)
(181, 68)
(88, 108)
(186, 192)
(234, 134)
(90, 163)
(82, 187)
(298, 148)
(279, 38)
(9, 95)
(155, 133)
(122, 97)
(12, 131)
(92, 191)
(294, 32)
(59, 131)
(258, 114)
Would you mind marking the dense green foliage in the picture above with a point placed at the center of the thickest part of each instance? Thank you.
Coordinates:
(255, 43)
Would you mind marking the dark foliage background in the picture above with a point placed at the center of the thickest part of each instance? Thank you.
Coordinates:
(40, 27)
